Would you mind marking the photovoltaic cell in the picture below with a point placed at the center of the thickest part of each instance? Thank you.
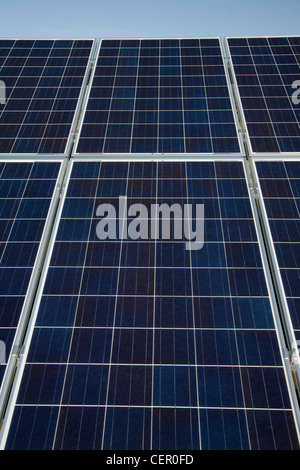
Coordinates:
(280, 187)
(142, 344)
(26, 190)
(159, 96)
(267, 70)
(42, 80)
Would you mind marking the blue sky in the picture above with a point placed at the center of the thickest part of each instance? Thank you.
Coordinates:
(151, 18)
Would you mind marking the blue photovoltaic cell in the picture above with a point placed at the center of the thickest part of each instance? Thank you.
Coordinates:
(43, 80)
(280, 186)
(26, 190)
(142, 344)
(159, 96)
(266, 69)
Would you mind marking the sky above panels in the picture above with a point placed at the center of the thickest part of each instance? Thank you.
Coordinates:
(155, 18)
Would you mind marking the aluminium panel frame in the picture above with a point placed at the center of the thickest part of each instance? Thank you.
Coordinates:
(25, 315)
(288, 329)
(77, 112)
(165, 155)
(271, 293)
(243, 122)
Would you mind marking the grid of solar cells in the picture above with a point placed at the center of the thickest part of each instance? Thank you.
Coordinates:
(43, 80)
(141, 344)
(265, 70)
(26, 190)
(159, 96)
(280, 186)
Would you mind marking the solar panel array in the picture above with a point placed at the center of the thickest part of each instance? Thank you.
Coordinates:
(43, 81)
(265, 70)
(159, 96)
(147, 344)
(136, 342)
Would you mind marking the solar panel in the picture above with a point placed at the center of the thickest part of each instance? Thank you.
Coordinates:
(165, 96)
(267, 73)
(141, 343)
(26, 193)
(279, 184)
(42, 82)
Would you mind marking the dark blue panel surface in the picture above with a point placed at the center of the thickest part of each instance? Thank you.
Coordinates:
(280, 186)
(267, 71)
(42, 86)
(140, 343)
(26, 191)
(160, 99)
